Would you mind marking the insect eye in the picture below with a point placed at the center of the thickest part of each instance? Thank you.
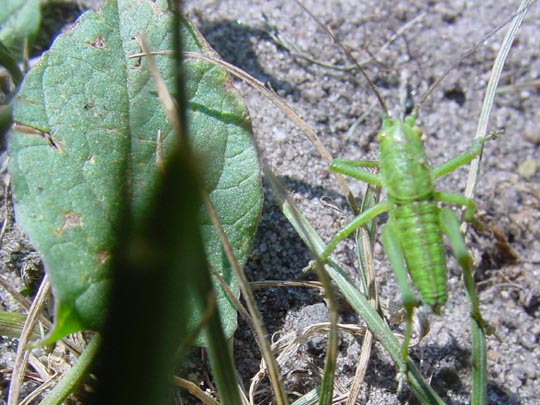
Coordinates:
(410, 120)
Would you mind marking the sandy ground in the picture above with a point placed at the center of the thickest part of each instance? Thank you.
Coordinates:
(507, 250)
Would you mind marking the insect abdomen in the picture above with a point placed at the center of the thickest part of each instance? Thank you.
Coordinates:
(417, 223)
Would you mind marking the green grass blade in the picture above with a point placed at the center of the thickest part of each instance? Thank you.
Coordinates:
(71, 379)
(311, 398)
(479, 346)
(479, 364)
(315, 247)
(365, 242)
(491, 89)
(12, 323)
(161, 278)
(9, 62)
(360, 304)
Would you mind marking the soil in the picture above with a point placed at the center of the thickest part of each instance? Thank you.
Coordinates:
(506, 247)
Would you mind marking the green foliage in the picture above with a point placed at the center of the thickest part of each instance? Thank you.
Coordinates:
(19, 22)
(85, 148)
(11, 325)
(9, 62)
(151, 310)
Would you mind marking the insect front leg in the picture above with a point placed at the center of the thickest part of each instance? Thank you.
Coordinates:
(450, 226)
(466, 157)
(392, 248)
(356, 170)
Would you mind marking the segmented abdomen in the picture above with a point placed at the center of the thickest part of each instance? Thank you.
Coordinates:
(417, 223)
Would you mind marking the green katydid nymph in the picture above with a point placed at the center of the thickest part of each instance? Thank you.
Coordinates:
(413, 236)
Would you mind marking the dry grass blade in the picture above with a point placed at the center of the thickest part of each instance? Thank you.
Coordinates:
(278, 102)
(349, 55)
(519, 86)
(22, 300)
(291, 47)
(273, 369)
(365, 237)
(255, 285)
(256, 321)
(236, 302)
(39, 367)
(42, 318)
(491, 90)
(21, 358)
(8, 218)
(520, 12)
(331, 355)
(165, 97)
(194, 390)
(365, 355)
(40, 390)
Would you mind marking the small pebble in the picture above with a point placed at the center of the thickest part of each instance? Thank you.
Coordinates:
(527, 169)
(532, 134)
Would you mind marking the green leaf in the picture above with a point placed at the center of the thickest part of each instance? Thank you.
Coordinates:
(19, 21)
(167, 239)
(84, 152)
(12, 323)
(5, 120)
(8, 61)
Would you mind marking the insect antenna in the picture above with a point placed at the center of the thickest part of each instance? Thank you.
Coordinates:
(349, 55)
(465, 55)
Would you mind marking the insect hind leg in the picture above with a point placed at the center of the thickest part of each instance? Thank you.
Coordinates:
(393, 250)
(450, 226)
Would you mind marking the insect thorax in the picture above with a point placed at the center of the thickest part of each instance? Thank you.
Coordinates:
(405, 169)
